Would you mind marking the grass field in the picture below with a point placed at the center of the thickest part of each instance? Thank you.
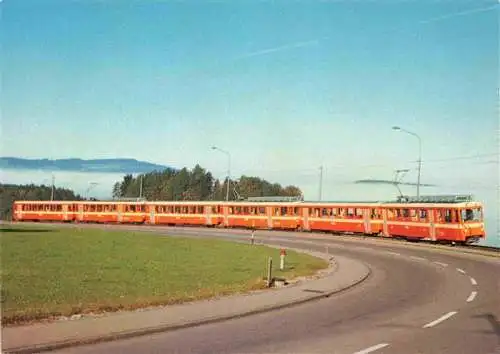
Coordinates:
(50, 272)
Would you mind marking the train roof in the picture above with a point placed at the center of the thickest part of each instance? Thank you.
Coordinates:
(307, 204)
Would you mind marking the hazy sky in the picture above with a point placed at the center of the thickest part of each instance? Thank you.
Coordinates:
(285, 86)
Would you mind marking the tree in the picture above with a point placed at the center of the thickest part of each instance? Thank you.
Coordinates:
(196, 184)
(12, 192)
(117, 190)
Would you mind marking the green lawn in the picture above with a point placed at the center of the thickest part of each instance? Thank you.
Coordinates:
(50, 271)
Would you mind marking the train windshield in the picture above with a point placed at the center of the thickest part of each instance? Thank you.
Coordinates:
(472, 214)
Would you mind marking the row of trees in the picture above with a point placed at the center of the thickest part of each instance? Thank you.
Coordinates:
(184, 184)
(11, 192)
(196, 184)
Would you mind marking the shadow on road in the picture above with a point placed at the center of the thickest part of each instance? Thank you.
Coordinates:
(7, 229)
(495, 324)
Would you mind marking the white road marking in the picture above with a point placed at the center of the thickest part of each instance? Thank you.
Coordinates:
(394, 253)
(419, 258)
(473, 281)
(441, 264)
(372, 348)
(440, 319)
(461, 270)
(472, 296)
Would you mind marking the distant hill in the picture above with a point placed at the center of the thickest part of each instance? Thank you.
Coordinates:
(119, 165)
(383, 181)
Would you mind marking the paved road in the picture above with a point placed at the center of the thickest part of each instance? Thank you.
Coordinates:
(417, 301)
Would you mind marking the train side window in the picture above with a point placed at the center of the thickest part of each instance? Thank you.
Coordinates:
(262, 211)
(359, 212)
(350, 212)
(422, 215)
(99, 208)
(447, 215)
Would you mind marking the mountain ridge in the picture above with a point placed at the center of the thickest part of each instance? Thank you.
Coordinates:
(110, 165)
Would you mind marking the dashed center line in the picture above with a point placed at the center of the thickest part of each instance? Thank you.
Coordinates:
(418, 258)
(441, 264)
(473, 281)
(394, 253)
(440, 319)
(472, 296)
(372, 348)
(460, 270)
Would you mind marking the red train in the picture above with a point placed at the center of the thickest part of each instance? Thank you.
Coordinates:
(440, 220)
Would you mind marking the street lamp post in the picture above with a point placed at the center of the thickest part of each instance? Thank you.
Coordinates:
(91, 185)
(419, 154)
(228, 168)
(320, 181)
(52, 188)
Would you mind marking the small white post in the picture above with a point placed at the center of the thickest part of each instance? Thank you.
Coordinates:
(253, 236)
(282, 258)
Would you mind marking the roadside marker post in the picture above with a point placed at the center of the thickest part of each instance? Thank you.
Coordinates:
(269, 271)
(282, 256)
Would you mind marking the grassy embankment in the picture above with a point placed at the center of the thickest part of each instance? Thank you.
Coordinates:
(49, 272)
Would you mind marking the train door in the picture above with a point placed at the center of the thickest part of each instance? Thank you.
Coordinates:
(119, 208)
(367, 222)
(65, 212)
(385, 226)
(80, 211)
(208, 214)
(225, 210)
(269, 212)
(152, 219)
(432, 224)
(305, 217)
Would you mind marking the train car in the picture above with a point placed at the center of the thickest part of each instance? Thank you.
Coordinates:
(184, 213)
(441, 222)
(357, 218)
(432, 219)
(62, 211)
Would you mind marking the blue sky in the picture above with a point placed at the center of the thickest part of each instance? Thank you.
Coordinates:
(284, 86)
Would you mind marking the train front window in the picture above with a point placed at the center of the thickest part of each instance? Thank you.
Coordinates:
(472, 214)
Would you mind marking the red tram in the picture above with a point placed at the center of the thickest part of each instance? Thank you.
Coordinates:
(446, 219)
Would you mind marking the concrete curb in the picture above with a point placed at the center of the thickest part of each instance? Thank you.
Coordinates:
(216, 319)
